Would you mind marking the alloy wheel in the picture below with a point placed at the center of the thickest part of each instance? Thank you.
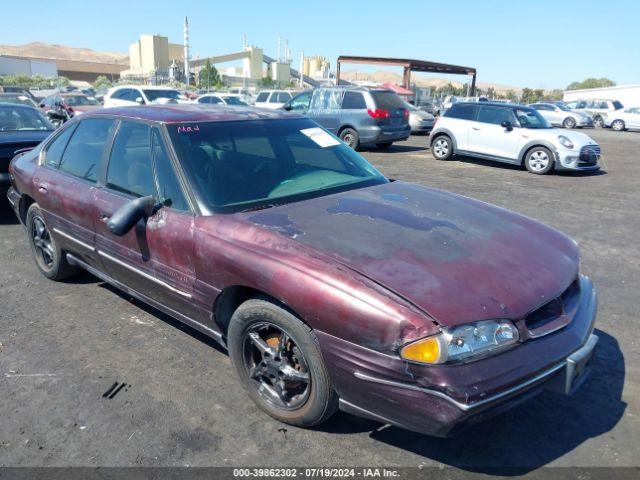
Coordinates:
(440, 148)
(349, 139)
(598, 122)
(538, 160)
(276, 366)
(617, 125)
(41, 239)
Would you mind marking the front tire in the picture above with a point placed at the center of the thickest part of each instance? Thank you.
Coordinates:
(598, 121)
(350, 137)
(569, 123)
(50, 259)
(539, 160)
(617, 125)
(278, 360)
(442, 147)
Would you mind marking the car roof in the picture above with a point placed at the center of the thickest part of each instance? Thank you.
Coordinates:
(186, 113)
(493, 104)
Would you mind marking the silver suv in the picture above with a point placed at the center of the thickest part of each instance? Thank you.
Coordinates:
(359, 116)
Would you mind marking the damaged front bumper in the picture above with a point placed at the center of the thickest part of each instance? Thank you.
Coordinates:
(442, 400)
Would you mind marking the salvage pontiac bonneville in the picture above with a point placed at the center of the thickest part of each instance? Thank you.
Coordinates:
(330, 285)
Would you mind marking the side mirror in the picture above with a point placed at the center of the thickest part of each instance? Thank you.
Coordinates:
(139, 101)
(287, 107)
(129, 214)
(508, 125)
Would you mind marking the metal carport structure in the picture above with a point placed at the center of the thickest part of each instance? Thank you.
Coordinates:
(409, 65)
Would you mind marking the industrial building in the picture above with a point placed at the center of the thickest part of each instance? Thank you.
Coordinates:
(628, 95)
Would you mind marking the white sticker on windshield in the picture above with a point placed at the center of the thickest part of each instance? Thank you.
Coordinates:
(321, 137)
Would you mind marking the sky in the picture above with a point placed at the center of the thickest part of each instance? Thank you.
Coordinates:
(523, 43)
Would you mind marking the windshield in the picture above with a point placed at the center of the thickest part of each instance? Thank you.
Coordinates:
(20, 118)
(530, 118)
(234, 101)
(74, 100)
(243, 165)
(563, 107)
(153, 95)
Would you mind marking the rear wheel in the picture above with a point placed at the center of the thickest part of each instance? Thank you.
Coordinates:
(278, 360)
(50, 260)
(598, 122)
(442, 147)
(539, 160)
(569, 122)
(350, 137)
(617, 125)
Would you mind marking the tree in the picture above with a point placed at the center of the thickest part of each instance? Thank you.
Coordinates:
(209, 76)
(267, 82)
(511, 95)
(102, 83)
(591, 83)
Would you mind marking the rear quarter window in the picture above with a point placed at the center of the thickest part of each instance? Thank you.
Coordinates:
(353, 100)
(462, 112)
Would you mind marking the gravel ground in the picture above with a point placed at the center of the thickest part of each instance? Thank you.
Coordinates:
(62, 345)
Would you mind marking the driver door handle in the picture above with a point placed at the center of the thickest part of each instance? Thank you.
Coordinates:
(475, 128)
(104, 217)
(43, 188)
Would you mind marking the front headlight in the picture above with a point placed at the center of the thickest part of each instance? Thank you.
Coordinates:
(463, 342)
(565, 142)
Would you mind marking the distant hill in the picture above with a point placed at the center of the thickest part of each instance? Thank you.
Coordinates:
(62, 52)
(384, 76)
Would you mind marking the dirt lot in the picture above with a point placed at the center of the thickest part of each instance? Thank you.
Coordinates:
(62, 345)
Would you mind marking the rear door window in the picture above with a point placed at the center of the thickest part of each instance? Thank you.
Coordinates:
(56, 148)
(353, 101)
(262, 97)
(82, 156)
(463, 112)
(617, 105)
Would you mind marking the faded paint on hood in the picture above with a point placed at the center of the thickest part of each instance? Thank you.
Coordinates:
(458, 259)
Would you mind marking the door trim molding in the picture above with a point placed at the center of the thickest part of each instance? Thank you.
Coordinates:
(144, 274)
(73, 239)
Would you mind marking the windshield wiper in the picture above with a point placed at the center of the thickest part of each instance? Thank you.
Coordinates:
(262, 207)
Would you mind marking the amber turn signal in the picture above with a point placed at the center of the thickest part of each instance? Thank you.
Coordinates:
(427, 350)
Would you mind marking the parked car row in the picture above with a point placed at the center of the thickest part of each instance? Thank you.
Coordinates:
(331, 286)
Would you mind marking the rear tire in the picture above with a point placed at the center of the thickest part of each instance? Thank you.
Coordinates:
(442, 147)
(539, 160)
(569, 123)
(279, 362)
(350, 137)
(598, 122)
(50, 259)
(617, 125)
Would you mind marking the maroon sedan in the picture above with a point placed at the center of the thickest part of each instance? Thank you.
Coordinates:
(330, 285)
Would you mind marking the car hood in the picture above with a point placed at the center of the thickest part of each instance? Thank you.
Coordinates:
(579, 139)
(458, 259)
(422, 115)
(24, 136)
